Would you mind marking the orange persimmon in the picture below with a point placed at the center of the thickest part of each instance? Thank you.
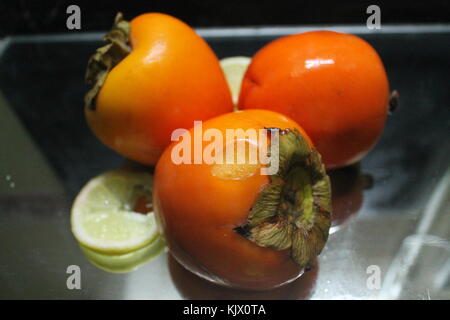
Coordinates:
(154, 75)
(332, 84)
(234, 225)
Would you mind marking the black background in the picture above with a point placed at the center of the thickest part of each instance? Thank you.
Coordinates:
(31, 17)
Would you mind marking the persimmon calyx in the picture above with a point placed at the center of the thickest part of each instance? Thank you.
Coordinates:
(294, 210)
(107, 57)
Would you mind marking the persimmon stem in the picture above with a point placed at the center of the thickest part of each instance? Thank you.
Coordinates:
(106, 58)
(394, 100)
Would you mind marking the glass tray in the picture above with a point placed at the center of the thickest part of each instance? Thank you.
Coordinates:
(396, 226)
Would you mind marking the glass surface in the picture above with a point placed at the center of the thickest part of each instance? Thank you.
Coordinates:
(48, 153)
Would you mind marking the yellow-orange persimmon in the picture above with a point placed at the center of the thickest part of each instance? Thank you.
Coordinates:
(235, 226)
(332, 84)
(154, 75)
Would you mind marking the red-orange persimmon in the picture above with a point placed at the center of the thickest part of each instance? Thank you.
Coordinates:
(233, 225)
(332, 84)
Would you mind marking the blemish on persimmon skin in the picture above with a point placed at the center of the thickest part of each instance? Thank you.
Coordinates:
(234, 171)
(253, 81)
(241, 167)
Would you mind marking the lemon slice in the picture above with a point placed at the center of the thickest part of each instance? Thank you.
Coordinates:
(102, 215)
(121, 263)
(234, 69)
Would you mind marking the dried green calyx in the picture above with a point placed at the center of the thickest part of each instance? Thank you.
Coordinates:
(106, 58)
(294, 210)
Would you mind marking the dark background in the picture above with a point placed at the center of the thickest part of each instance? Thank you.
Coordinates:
(30, 17)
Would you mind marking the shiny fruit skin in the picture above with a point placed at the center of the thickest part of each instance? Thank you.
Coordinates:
(334, 85)
(197, 212)
(170, 78)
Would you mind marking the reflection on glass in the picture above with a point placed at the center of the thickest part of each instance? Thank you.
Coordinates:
(421, 268)
(348, 185)
(192, 287)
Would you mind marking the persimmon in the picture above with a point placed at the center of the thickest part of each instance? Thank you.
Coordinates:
(332, 84)
(230, 222)
(155, 74)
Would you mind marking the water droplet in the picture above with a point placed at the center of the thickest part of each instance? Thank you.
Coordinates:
(325, 290)
(12, 185)
(8, 177)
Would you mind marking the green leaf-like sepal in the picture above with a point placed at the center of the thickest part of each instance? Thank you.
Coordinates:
(266, 207)
(277, 236)
(294, 210)
(106, 58)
